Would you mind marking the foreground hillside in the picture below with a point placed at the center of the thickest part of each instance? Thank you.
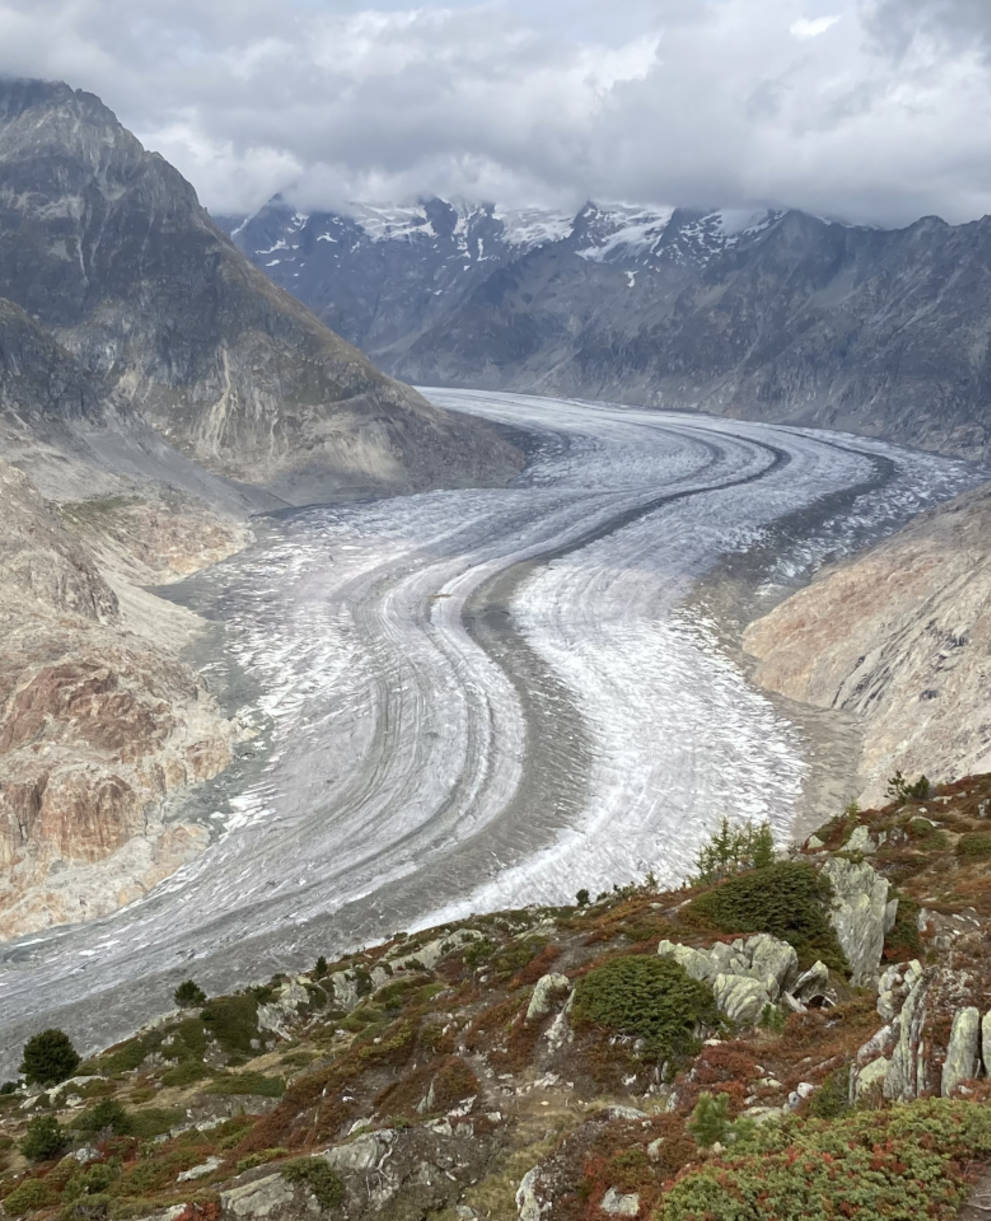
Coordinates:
(790, 1038)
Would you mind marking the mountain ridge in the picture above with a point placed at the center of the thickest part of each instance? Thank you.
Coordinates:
(778, 315)
(106, 247)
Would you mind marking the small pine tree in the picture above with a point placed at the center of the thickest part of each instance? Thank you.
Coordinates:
(188, 995)
(44, 1139)
(320, 969)
(732, 850)
(710, 1121)
(582, 897)
(49, 1058)
(900, 789)
(762, 851)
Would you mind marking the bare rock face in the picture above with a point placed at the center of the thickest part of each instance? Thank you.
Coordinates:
(98, 726)
(106, 247)
(899, 636)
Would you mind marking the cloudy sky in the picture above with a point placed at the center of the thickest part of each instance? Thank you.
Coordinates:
(870, 110)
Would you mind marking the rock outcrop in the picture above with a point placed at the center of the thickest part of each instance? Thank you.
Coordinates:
(899, 637)
(860, 915)
(747, 978)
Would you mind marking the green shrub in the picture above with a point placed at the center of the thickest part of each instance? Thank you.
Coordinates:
(975, 846)
(477, 952)
(909, 1161)
(88, 1208)
(154, 1121)
(646, 997)
(318, 1176)
(925, 832)
(832, 1098)
(903, 940)
(260, 1158)
(516, 955)
(31, 1194)
(49, 1058)
(582, 898)
(320, 968)
(91, 1181)
(188, 995)
(44, 1139)
(105, 1116)
(186, 1072)
(248, 1083)
(789, 900)
(233, 1022)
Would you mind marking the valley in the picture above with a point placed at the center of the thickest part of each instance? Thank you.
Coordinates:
(455, 698)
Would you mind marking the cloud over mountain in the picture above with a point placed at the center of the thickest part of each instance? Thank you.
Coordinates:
(874, 110)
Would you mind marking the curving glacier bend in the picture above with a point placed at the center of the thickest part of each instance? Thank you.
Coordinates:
(482, 698)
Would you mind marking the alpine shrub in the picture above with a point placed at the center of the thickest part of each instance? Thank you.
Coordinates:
(789, 900)
(645, 997)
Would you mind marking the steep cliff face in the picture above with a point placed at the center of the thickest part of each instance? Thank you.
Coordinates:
(779, 316)
(98, 724)
(105, 245)
(899, 636)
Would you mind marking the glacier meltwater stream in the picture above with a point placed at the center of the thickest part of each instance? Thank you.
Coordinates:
(473, 699)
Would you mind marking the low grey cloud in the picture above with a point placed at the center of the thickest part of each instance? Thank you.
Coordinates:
(870, 110)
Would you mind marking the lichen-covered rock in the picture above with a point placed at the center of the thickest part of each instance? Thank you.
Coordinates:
(547, 989)
(741, 999)
(773, 962)
(201, 1171)
(894, 985)
(858, 914)
(698, 964)
(745, 977)
(616, 1204)
(963, 1050)
(269, 1199)
(860, 841)
(812, 984)
(906, 1077)
(986, 1040)
(361, 1154)
(278, 1015)
(869, 1078)
(528, 1205)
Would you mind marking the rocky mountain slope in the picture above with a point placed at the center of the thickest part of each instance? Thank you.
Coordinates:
(100, 723)
(154, 388)
(106, 247)
(790, 1038)
(900, 637)
(778, 316)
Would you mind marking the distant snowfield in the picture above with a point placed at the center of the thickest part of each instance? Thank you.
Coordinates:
(481, 698)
